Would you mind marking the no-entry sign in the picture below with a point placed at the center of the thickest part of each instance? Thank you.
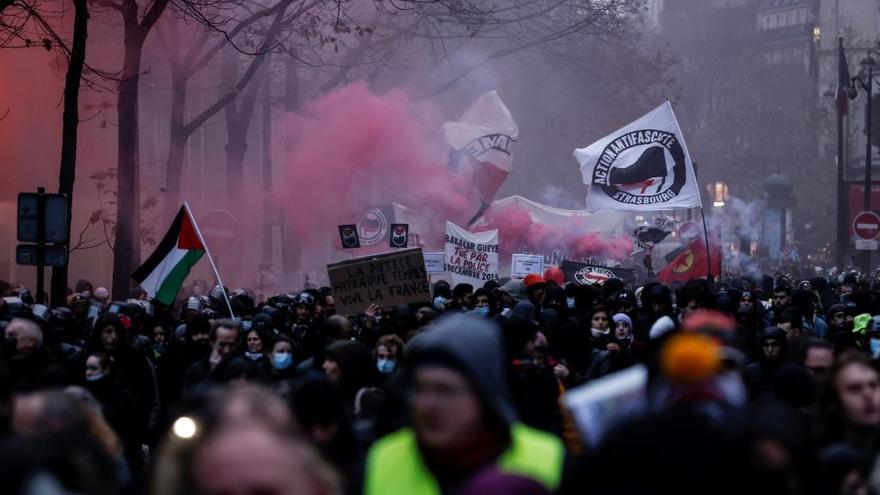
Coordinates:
(220, 230)
(867, 225)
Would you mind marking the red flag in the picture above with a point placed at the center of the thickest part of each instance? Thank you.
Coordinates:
(692, 263)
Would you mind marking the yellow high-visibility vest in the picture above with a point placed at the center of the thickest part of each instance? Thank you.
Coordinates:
(395, 465)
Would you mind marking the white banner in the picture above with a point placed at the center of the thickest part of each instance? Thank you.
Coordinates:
(643, 166)
(471, 258)
(524, 264)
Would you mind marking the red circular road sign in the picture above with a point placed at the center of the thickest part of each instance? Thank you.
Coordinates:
(220, 230)
(867, 225)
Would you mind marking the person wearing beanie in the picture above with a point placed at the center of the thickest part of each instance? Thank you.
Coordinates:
(623, 329)
(535, 287)
(463, 420)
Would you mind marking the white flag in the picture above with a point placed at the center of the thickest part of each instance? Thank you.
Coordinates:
(643, 166)
(471, 257)
(485, 134)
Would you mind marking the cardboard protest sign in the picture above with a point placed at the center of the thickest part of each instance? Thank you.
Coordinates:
(601, 404)
(524, 264)
(589, 274)
(434, 262)
(385, 280)
(471, 258)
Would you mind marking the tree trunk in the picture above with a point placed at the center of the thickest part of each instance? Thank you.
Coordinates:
(266, 142)
(177, 145)
(291, 250)
(239, 114)
(70, 121)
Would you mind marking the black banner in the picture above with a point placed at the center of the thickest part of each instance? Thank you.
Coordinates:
(589, 274)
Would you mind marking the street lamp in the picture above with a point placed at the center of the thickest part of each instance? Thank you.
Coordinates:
(865, 80)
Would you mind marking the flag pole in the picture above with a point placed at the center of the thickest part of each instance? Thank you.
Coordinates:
(708, 250)
(210, 258)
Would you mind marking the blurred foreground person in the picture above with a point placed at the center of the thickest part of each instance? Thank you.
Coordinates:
(463, 421)
(849, 404)
(241, 442)
(56, 449)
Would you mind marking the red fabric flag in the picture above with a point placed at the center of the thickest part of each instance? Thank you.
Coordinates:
(692, 263)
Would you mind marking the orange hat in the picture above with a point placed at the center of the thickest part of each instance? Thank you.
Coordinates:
(690, 357)
(555, 275)
(534, 280)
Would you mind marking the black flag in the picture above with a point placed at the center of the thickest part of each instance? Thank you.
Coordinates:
(399, 235)
(348, 234)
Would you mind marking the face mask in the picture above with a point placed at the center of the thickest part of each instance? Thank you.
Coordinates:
(569, 301)
(282, 360)
(482, 311)
(385, 366)
(246, 325)
(875, 348)
(95, 377)
(440, 301)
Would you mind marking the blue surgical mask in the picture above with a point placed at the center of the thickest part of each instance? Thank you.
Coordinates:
(875, 348)
(569, 301)
(482, 311)
(440, 301)
(95, 377)
(385, 366)
(282, 360)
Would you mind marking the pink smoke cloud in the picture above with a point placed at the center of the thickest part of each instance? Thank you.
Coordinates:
(353, 149)
(517, 231)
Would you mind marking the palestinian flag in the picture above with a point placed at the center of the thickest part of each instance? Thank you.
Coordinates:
(162, 275)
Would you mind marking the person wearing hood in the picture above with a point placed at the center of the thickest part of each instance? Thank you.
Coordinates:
(282, 356)
(350, 365)
(119, 405)
(462, 419)
(111, 336)
(256, 343)
(530, 373)
(773, 352)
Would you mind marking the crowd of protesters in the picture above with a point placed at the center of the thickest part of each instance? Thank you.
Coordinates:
(765, 385)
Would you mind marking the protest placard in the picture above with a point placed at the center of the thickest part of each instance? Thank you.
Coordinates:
(434, 262)
(385, 280)
(524, 264)
(471, 257)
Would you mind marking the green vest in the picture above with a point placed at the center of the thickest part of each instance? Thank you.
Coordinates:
(395, 467)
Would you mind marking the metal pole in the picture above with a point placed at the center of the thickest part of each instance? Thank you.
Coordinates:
(41, 246)
(867, 198)
(210, 258)
(842, 224)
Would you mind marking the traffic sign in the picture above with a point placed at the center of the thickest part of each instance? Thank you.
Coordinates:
(54, 218)
(29, 254)
(863, 245)
(220, 231)
(867, 225)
